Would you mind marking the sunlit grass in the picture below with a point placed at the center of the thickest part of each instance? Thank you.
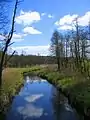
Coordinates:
(12, 82)
(73, 83)
(13, 77)
(76, 84)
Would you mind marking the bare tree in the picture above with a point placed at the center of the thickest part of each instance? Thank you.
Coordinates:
(7, 42)
(67, 46)
(77, 42)
(80, 38)
(61, 49)
(72, 50)
(55, 47)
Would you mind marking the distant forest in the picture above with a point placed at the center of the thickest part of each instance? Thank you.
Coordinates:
(27, 60)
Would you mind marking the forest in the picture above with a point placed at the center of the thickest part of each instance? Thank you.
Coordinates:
(28, 60)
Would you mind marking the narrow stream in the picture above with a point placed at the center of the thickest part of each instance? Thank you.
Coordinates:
(39, 100)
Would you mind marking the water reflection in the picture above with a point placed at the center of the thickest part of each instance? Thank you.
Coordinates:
(33, 98)
(30, 110)
(39, 100)
(62, 110)
(32, 79)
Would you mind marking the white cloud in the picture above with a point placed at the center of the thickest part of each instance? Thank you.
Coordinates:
(22, 12)
(31, 30)
(66, 27)
(2, 37)
(84, 20)
(17, 40)
(50, 16)
(25, 34)
(33, 50)
(66, 21)
(43, 14)
(57, 23)
(17, 37)
(27, 18)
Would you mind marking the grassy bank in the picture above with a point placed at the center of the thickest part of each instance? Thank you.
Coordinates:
(72, 84)
(12, 82)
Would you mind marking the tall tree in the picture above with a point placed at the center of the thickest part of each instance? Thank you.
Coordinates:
(67, 45)
(7, 39)
(55, 46)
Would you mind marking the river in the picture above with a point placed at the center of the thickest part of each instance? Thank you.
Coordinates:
(40, 100)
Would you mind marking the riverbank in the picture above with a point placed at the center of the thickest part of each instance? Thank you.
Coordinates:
(74, 85)
(12, 80)
(12, 83)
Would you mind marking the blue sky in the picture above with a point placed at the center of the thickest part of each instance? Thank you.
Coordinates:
(37, 19)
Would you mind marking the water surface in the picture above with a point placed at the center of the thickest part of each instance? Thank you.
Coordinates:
(39, 100)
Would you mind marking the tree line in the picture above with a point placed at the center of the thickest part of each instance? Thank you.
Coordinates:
(28, 60)
(72, 48)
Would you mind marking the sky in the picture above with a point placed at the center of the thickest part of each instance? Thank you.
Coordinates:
(37, 19)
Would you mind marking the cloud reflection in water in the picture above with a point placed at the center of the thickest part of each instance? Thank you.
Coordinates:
(33, 98)
(30, 111)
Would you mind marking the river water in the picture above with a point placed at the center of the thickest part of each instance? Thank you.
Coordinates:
(40, 100)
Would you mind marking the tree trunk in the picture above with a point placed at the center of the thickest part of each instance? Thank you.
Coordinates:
(7, 43)
(0, 78)
(1, 67)
(58, 62)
